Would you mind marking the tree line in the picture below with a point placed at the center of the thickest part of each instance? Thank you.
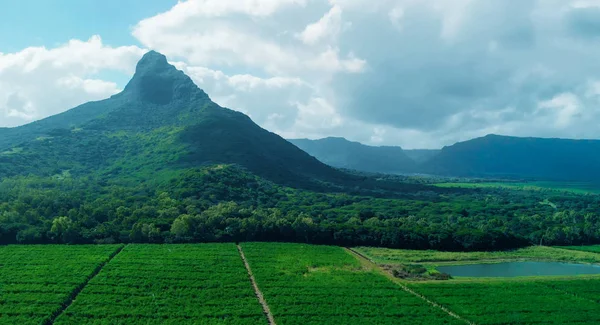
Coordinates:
(229, 204)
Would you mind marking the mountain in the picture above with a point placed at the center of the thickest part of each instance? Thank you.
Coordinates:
(504, 156)
(160, 121)
(341, 153)
(421, 155)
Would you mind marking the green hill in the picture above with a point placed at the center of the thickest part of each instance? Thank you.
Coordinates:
(341, 153)
(161, 120)
(513, 157)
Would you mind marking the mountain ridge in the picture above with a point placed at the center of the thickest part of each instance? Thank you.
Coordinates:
(530, 157)
(342, 153)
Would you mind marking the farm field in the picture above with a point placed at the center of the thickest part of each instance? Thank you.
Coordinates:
(531, 302)
(312, 285)
(538, 253)
(37, 281)
(593, 248)
(524, 300)
(169, 284)
(302, 284)
(572, 187)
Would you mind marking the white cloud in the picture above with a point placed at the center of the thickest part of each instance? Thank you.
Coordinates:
(329, 61)
(318, 114)
(417, 73)
(37, 82)
(593, 89)
(396, 15)
(264, 99)
(93, 87)
(326, 29)
(453, 14)
(563, 109)
(250, 35)
(585, 4)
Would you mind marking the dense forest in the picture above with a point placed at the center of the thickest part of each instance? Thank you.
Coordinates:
(227, 203)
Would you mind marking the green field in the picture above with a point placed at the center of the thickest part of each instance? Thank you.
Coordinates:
(593, 248)
(37, 281)
(572, 187)
(532, 302)
(169, 284)
(314, 285)
(524, 300)
(301, 284)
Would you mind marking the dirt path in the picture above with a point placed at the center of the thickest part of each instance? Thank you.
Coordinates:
(369, 264)
(78, 290)
(259, 294)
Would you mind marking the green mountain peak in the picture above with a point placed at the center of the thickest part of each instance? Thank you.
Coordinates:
(163, 122)
(157, 82)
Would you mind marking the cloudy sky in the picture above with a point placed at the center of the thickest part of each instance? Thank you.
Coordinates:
(415, 73)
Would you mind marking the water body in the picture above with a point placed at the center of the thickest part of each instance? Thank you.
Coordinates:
(513, 269)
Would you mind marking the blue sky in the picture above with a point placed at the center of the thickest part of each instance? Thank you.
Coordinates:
(25, 23)
(414, 73)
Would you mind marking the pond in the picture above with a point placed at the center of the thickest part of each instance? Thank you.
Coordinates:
(512, 269)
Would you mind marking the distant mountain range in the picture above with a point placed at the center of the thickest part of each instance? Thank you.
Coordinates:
(490, 156)
(341, 153)
(513, 157)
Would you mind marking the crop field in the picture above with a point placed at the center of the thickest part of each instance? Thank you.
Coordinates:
(302, 285)
(36, 282)
(315, 285)
(534, 302)
(169, 284)
(584, 288)
(593, 248)
(583, 254)
(525, 300)
(572, 187)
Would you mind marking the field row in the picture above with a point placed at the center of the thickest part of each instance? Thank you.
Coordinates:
(593, 248)
(172, 284)
(496, 303)
(302, 284)
(36, 282)
(306, 284)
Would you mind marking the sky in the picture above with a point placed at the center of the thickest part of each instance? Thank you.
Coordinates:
(413, 73)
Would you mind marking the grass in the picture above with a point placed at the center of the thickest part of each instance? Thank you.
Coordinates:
(571, 187)
(169, 284)
(36, 282)
(302, 284)
(525, 302)
(593, 248)
(314, 285)
(429, 257)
